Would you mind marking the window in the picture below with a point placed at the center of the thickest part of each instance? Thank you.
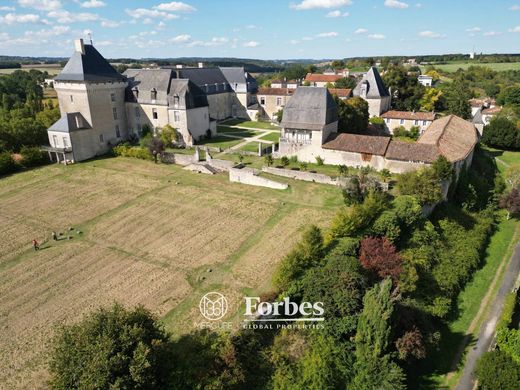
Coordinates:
(114, 112)
(401, 121)
(387, 120)
(176, 101)
(118, 133)
(262, 100)
(55, 140)
(137, 112)
(176, 116)
(71, 98)
(278, 101)
(113, 97)
(101, 138)
(424, 123)
(154, 113)
(153, 94)
(65, 144)
(416, 122)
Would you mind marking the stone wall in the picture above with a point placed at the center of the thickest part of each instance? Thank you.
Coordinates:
(241, 174)
(180, 159)
(305, 176)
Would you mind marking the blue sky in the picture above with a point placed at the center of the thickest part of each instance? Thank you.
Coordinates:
(266, 29)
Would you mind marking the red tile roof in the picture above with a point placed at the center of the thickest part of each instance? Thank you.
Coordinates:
(341, 92)
(409, 115)
(357, 143)
(322, 78)
(491, 111)
(411, 151)
(275, 91)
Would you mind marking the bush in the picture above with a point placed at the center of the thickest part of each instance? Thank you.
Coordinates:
(319, 160)
(33, 156)
(496, 370)
(376, 120)
(132, 151)
(7, 164)
(502, 133)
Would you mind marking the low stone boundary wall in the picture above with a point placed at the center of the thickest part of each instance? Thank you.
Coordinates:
(221, 165)
(250, 176)
(305, 176)
(180, 159)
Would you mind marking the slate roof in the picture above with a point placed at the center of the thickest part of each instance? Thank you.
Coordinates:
(90, 66)
(166, 86)
(375, 86)
(357, 143)
(454, 137)
(206, 77)
(310, 108)
(276, 91)
(238, 75)
(477, 118)
(68, 123)
(409, 115)
(412, 151)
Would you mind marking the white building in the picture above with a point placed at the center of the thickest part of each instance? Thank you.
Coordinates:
(425, 80)
(372, 89)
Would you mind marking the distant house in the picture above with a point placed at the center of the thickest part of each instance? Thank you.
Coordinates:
(372, 89)
(425, 80)
(407, 119)
(292, 84)
(272, 100)
(309, 130)
(482, 110)
(322, 80)
(342, 93)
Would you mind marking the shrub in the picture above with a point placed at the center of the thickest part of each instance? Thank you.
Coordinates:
(502, 133)
(377, 120)
(423, 184)
(496, 370)
(132, 151)
(379, 255)
(319, 160)
(7, 163)
(33, 156)
(443, 168)
(284, 161)
(293, 159)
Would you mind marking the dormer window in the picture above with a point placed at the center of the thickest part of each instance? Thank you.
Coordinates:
(135, 91)
(153, 94)
(176, 100)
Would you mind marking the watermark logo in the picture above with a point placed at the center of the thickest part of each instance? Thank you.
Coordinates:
(213, 306)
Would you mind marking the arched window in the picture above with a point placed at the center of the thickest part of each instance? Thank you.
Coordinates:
(153, 94)
(135, 91)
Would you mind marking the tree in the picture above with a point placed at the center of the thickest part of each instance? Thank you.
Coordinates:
(268, 159)
(284, 161)
(374, 367)
(431, 100)
(295, 72)
(112, 348)
(424, 184)
(511, 202)
(279, 115)
(509, 96)
(352, 192)
(411, 345)
(434, 75)
(496, 370)
(502, 133)
(7, 164)
(457, 96)
(443, 168)
(379, 255)
(319, 160)
(406, 90)
(168, 135)
(156, 147)
(342, 170)
(345, 82)
(352, 115)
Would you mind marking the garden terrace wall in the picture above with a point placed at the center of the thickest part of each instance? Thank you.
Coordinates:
(241, 174)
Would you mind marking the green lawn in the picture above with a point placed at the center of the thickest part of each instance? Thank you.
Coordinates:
(237, 131)
(250, 124)
(221, 142)
(250, 147)
(498, 66)
(273, 137)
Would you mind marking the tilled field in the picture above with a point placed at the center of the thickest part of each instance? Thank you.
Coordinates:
(141, 234)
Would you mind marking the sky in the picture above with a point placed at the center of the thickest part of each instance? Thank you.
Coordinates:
(263, 29)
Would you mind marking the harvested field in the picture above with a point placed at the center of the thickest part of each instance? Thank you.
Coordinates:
(150, 234)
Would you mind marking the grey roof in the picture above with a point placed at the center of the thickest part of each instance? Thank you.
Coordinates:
(206, 78)
(166, 86)
(90, 66)
(310, 108)
(375, 86)
(477, 118)
(238, 75)
(69, 122)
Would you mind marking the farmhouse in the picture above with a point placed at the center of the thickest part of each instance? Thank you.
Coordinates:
(310, 130)
(407, 119)
(372, 89)
(272, 100)
(100, 107)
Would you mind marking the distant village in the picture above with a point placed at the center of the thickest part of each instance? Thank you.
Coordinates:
(101, 108)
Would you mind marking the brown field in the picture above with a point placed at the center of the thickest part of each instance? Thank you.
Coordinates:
(144, 240)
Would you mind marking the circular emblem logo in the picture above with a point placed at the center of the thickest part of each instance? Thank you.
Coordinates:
(213, 306)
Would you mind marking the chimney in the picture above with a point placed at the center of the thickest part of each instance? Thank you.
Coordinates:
(79, 46)
(201, 64)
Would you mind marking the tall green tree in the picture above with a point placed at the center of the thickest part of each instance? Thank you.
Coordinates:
(457, 96)
(353, 115)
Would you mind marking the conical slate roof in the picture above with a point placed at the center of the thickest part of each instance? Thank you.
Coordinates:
(90, 66)
(375, 86)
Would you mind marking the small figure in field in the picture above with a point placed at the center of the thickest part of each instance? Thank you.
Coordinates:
(54, 236)
(35, 245)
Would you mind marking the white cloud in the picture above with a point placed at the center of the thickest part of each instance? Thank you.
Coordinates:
(181, 38)
(52, 32)
(251, 44)
(41, 5)
(474, 29)
(110, 23)
(311, 4)
(307, 38)
(175, 7)
(431, 34)
(19, 18)
(93, 4)
(104, 43)
(361, 31)
(215, 41)
(6, 8)
(251, 26)
(376, 36)
(514, 29)
(336, 14)
(150, 13)
(395, 4)
(63, 16)
(327, 34)
(515, 7)
(492, 33)
(294, 41)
